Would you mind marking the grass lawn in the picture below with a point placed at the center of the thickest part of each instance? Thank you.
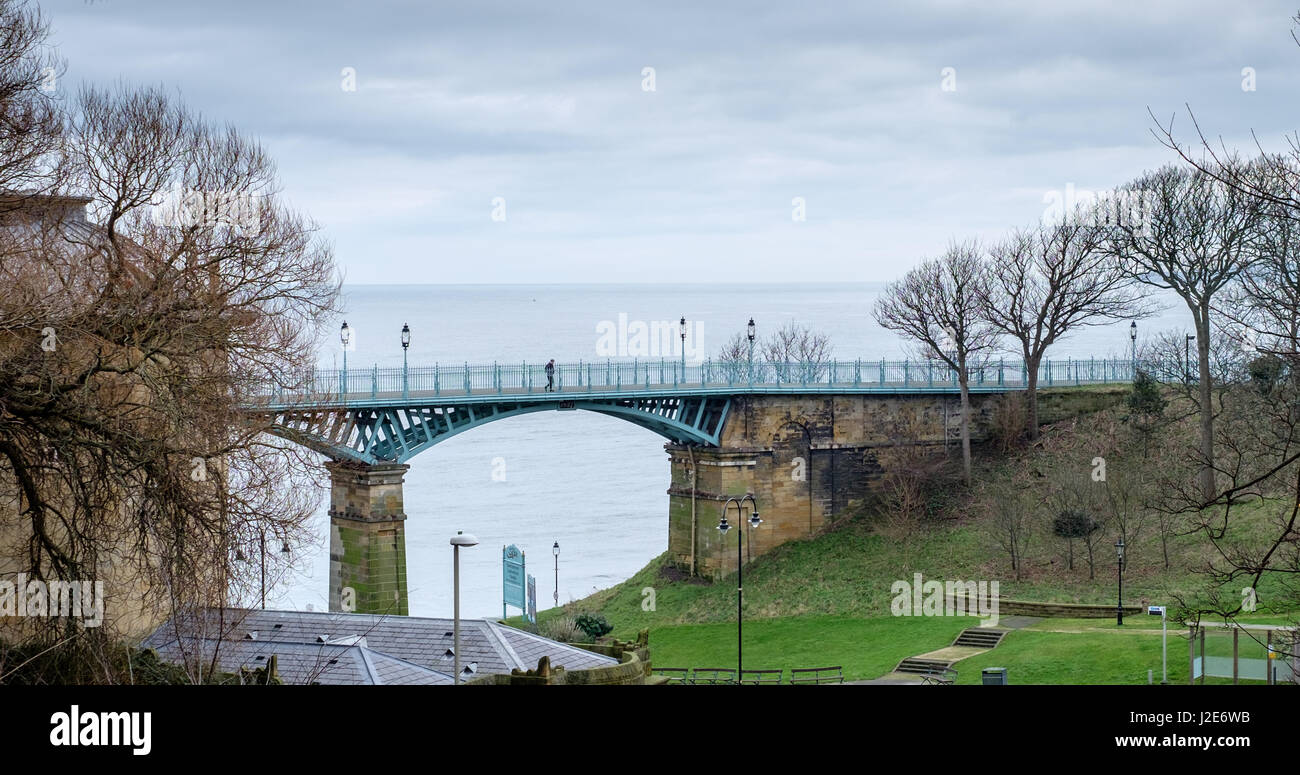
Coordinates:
(1053, 651)
(866, 648)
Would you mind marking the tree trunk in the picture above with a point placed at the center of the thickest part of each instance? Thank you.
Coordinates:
(965, 421)
(1206, 398)
(1031, 394)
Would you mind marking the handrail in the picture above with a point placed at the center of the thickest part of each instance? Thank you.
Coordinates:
(373, 383)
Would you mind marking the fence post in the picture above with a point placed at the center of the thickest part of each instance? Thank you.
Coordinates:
(1002, 365)
(437, 389)
(907, 376)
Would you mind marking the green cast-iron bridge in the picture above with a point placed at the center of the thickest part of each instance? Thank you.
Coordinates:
(390, 415)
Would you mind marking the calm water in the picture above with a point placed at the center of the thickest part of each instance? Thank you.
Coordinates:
(595, 484)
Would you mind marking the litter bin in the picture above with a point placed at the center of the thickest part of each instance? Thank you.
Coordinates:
(995, 676)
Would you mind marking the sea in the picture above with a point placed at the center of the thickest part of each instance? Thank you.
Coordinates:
(594, 485)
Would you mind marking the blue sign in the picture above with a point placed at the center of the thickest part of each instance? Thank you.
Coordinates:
(512, 579)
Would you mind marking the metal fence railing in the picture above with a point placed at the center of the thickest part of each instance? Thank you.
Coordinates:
(584, 377)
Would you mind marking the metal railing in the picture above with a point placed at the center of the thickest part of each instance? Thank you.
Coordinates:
(630, 376)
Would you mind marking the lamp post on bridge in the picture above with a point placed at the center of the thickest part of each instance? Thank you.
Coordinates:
(750, 334)
(723, 527)
(555, 550)
(682, 327)
(345, 336)
(406, 342)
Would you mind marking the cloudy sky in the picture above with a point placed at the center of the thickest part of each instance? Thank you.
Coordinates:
(772, 142)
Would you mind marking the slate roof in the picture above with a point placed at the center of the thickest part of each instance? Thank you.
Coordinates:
(341, 648)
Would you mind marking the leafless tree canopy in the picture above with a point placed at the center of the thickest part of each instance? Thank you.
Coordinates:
(1196, 237)
(1044, 282)
(130, 338)
(939, 306)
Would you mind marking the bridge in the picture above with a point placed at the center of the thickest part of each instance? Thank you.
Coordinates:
(800, 436)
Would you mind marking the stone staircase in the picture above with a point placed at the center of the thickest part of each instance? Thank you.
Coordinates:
(922, 666)
(980, 637)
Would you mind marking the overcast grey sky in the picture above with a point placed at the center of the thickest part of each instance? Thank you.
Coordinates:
(544, 107)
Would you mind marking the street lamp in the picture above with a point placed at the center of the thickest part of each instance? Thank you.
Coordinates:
(457, 541)
(723, 527)
(1187, 361)
(261, 537)
(1133, 337)
(555, 550)
(406, 343)
(750, 334)
(682, 327)
(345, 336)
(1119, 574)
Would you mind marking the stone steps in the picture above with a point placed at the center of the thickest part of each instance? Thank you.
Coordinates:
(980, 637)
(917, 665)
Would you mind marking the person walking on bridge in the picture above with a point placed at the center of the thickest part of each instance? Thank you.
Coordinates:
(550, 376)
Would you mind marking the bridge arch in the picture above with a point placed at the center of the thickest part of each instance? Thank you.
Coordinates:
(396, 434)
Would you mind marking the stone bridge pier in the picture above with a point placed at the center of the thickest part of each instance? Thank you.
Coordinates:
(367, 538)
(805, 458)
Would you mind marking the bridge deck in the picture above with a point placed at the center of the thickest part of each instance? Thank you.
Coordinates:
(378, 388)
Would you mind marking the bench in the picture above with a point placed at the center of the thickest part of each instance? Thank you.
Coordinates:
(675, 675)
(944, 677)
(756, 677)
(709, 676)
(817, 675)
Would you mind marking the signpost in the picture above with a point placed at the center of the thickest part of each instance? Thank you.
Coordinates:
(512, 579)
(1159, 610)
(532, 599)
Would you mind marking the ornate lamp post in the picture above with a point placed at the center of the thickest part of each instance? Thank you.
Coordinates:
(406, 343)
(1187, 359)
(1119, 573)
(682, 327)
(723, 527)
(1133, 337)
(345, 336)
(555, 550)
(457, 541)
(750, 334)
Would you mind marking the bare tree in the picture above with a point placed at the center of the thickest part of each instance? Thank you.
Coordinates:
(733, 360)
(797, 352)
(30, 117)
(130, 342)
(938, 305)
(1195, 237)
(912, 472)
(1168, 357)
(1074, 514)
(1042, 283)
(1013, 520)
